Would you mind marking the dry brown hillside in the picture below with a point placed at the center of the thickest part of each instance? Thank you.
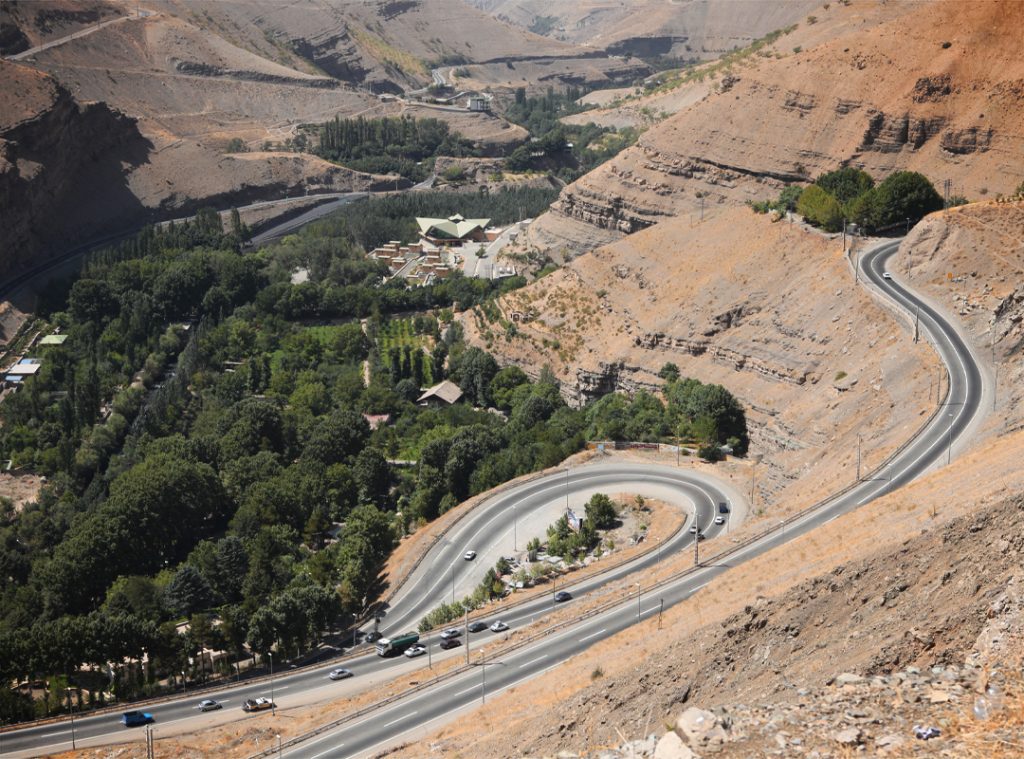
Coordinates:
(692, 29)
(936, 87)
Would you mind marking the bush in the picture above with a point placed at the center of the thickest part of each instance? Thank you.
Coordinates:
(710, 452)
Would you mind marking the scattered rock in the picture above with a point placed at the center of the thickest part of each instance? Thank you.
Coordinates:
(851, 736)
(671, 746)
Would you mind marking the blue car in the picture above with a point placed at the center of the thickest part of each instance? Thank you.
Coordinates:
(134, 719)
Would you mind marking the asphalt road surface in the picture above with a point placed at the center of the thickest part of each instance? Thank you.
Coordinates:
(429, 584)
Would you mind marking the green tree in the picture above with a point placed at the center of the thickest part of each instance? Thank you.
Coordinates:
(600, 512)
(188, 591)
(846, 184)
(820, 208)
(473, 370)
(669, 372)
(904, 197)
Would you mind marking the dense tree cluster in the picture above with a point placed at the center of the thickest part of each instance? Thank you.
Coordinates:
(850, 194)
(571, 150)
(390, 145)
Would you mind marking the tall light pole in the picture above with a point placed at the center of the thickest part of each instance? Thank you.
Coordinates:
(515, 537)
(696, 548)
(453, 583)
(638, 602)
(71, 708)
(273, 705)
(567, 490)
(184, 684)
(279, 745)
(858, 457)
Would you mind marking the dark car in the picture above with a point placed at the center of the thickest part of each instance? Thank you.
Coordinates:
(475, 627)
(562, 595)
(134, 719)
(451, 643)
(373, 637)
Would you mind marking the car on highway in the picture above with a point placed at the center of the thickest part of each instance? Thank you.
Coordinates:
(469, 555)
(451, 632)
(134, 719)
(257, 704)
(701, 536)
(562, 596)
(451, 643)
(693, 529)
(498, 626)
(373, 637)
(209, 705)
(340, 674)
(719, 520)
(478, 626)
(886, 275)
(416, 650)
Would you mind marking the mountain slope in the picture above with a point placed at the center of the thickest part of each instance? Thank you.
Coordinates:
(932, 87)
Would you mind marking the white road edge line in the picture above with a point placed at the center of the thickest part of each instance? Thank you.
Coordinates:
(592, 635)
(396, 721)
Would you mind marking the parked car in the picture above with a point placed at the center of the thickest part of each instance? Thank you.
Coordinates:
(498, 626)
(415, 650)
(475, 627)
(340, 674)
(134, 719)
(451, 643)
(469, 555)
(451, 632)
(209, 705)
(257, 704)
(562, 595)
(719, 520)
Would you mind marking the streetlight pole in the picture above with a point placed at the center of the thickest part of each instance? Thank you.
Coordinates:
(453, 583)
(858, 457)
(279, 745)
(515, 537)
(273, 705)
(638, 602)
(696, 548)
(567, 490)
(184, 684)
(71, 709)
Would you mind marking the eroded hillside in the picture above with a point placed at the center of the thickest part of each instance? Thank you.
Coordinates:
(932, 87)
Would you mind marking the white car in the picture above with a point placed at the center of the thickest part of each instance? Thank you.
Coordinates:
(693, 529)
(417, 650)
(208, 705)
(719, 520)
(498, 626)
(469, 555)
(886, 275)
(340, 674)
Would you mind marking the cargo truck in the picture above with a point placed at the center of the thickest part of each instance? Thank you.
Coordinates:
(396, 645)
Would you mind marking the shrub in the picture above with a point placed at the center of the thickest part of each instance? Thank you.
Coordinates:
(710, 452)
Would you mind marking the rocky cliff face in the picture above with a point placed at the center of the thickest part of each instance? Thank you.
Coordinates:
(931, 88)
(63, 168)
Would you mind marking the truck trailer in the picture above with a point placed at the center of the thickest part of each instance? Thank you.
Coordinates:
(396, 645)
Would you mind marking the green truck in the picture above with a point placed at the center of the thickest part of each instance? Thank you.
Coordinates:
(396, 645)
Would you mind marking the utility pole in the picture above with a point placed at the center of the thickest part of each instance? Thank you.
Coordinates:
(638, 602)
(483, 676)
(858, 458)
(273, 705)
(949, 443)
(430, 659)
(696, 548)
(917, 324)
(661, 610)
(515, 537)
(453, 583)
(71, 708)
(465, 626)
(567, 490)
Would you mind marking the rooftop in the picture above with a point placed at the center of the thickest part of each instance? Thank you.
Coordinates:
(446, 391)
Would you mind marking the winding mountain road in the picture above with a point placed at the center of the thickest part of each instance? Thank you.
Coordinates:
(431, 582)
